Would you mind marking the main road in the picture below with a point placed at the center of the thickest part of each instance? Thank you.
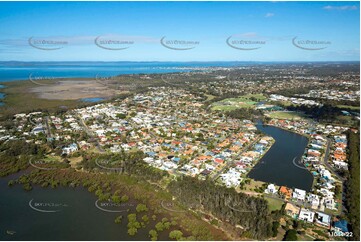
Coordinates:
(90, 133)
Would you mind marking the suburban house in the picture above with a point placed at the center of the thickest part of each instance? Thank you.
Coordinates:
(38, 129)
(299, 194)
(323, 219)
(286, 192)
(306, 215)
(292, 210)
(314, 200)
(271, 189)
(70, 149)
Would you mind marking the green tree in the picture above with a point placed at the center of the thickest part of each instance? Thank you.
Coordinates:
(141, 208)
(132, 231)
(175, 234)
(291, 235)
(116, 199)
(118, 219)
(153, 234)
(275, 227)
(145, 218)
(124, 198)
(159, 226)
(121, 115)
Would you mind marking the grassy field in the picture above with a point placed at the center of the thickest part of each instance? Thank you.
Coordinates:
(52, 159)
(19, 99)
(252, 185)
(286, 115)
(246, 101)
(274, 204)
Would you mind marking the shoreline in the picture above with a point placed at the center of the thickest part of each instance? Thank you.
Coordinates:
(260, 158)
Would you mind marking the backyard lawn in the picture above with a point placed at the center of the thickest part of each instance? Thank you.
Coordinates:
(274, 204)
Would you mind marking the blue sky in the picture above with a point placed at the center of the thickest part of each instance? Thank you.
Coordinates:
(266, 29)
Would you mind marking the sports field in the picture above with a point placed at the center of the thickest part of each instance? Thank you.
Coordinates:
(246, 101)
(286, 115)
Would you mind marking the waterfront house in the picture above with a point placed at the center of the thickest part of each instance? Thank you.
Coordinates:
(299, 194)
(325, 174)
(286, 192)
(312, 152)
(271, 189)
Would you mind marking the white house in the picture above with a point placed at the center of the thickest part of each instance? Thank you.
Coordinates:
(38, 129)
(323, 219)
(299, 194)
(325, 173)
(70, 149)
(232, 178)
(314, 200)
(327, 193)
(271, 189)
(330, 203)
(340, 164)
(306, 215)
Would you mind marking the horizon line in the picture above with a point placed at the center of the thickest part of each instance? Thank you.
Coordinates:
(188, 61)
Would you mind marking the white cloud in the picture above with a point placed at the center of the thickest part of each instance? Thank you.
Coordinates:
(346, 7)
(268, 15)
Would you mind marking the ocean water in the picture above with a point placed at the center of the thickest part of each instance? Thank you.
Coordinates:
(10, 71)
(24, 71)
